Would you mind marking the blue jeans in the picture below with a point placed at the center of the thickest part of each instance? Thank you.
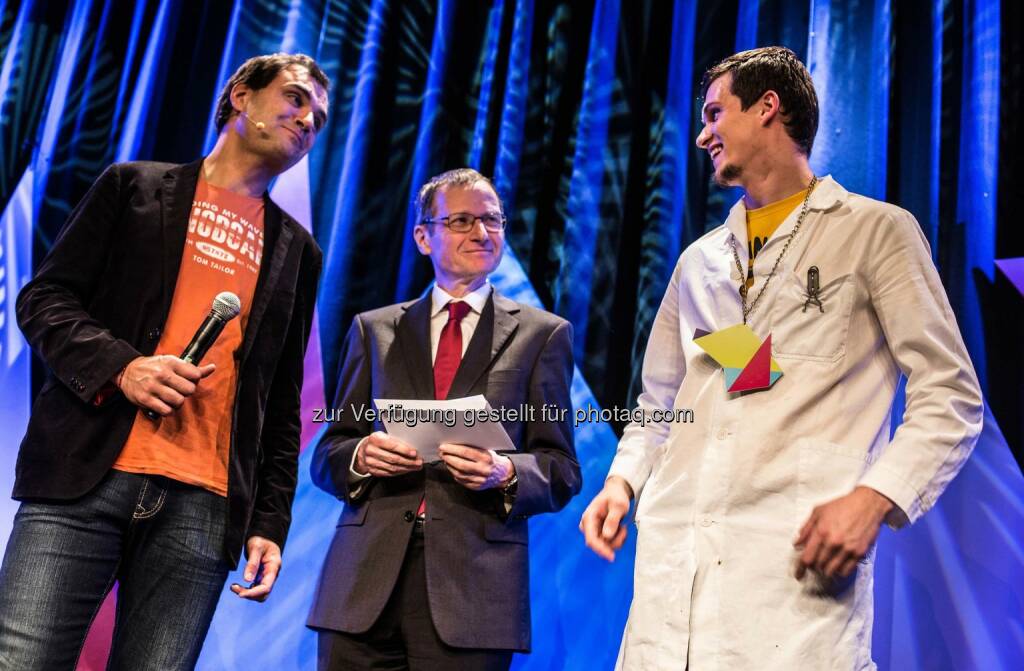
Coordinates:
(160, 539)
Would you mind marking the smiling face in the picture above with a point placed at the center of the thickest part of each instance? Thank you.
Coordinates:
(292, 109)
(462, 259)
(731, 136)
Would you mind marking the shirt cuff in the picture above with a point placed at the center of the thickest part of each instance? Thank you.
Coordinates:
(356, 480)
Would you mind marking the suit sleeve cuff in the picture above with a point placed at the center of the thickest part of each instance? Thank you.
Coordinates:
(88, 385)
(269, 530)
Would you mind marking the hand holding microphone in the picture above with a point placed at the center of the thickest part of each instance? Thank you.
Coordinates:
(160, 384)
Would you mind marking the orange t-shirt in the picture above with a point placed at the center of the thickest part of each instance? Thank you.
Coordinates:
(223, 250)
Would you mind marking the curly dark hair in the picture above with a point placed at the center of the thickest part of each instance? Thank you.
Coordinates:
(772, 69)
(257, 73)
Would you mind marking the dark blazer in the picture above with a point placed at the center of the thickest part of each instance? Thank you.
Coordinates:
(101, 298)
(476, 555)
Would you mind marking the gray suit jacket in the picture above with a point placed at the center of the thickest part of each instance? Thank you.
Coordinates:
(476, 554)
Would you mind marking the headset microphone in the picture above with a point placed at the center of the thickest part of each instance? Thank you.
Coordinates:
(259, 124)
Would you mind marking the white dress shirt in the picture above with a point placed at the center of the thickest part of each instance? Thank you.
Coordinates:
(439, 300)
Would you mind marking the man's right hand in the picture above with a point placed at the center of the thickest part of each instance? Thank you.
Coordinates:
(160, 383)
(385, 457)
(601, 523)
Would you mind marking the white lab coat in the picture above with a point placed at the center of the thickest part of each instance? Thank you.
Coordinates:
(720, 500)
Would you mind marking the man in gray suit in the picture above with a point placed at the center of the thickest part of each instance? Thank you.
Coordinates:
(428, 568)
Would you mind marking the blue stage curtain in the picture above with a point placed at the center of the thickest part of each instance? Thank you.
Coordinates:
(585, 114)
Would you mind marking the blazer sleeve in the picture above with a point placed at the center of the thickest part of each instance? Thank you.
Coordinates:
(547, 470)
(332, 456)
(52, 308)
(279, 442)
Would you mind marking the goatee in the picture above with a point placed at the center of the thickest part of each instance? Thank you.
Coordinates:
(728, 174)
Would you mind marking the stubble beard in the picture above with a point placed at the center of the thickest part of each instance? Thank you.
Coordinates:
(728, 174)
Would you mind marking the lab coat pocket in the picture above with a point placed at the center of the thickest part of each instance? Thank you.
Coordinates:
(802, 329)
(827, 471)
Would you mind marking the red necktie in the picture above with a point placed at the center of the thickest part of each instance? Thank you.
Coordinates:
(449, 350)
(446, 363)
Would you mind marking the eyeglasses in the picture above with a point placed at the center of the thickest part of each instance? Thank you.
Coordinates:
(463, 222)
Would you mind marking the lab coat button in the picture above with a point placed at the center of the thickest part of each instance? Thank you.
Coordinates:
(723, 434)
(706, 522)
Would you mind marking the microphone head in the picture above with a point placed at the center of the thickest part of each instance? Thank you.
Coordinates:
(259, 124)
(226, 306)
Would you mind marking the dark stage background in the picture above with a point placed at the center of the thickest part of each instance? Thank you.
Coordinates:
(585, 114)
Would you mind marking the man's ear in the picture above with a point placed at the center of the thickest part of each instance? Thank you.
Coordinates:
(419, 234)
(239, 96)
(771, 106)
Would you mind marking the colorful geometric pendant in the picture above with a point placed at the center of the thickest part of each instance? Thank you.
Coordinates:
(746, 361)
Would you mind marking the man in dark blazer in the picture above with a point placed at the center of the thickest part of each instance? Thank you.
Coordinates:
(95, 312)
(428, 568)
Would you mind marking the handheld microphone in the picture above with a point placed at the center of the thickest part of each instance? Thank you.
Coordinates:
(226, 307)
(259, 124)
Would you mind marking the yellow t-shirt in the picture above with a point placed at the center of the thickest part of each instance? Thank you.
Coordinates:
(762, 223)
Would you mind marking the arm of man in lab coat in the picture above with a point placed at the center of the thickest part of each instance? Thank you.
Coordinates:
(663, 371)
(943, 411)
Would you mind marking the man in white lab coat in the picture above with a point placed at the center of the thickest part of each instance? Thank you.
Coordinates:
(756, 522)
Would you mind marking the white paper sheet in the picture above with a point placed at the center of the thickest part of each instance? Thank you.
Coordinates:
(427, 424)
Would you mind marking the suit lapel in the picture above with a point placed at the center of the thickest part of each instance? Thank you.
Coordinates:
(497, 323)
(177, 192)
(278, 238)
(412, 330)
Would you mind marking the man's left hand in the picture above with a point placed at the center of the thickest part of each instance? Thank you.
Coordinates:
(475, 468)
(839, 533)
(265, 563)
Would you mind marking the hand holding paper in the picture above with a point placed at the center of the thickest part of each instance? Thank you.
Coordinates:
(424, 425)
(476, 468)
(384, 456)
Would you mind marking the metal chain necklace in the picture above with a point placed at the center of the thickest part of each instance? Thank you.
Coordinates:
(739, 266)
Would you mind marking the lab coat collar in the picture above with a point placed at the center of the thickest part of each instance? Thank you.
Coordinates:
(826, 195)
